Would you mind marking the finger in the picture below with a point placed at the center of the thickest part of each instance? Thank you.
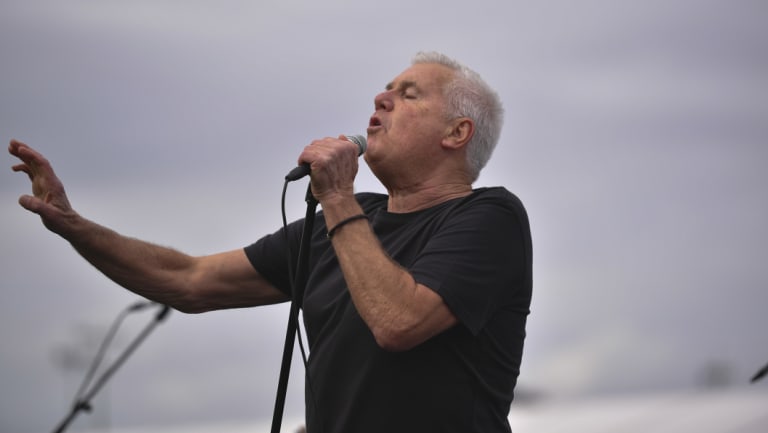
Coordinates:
(34, 162)
(13, 148)
(304, 156)
(30, 203)
(25, 169)
(314, 151)
(16, 146)
(26, 153)
(20, 167)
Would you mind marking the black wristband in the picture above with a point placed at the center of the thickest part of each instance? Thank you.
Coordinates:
(344, 222)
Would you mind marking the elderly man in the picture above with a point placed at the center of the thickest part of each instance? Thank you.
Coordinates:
(416, 302)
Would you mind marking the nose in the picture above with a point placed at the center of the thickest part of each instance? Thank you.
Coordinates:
(383, 101)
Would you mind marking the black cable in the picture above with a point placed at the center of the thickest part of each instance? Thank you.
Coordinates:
(285, 236)
(291, 272)
(291, 278)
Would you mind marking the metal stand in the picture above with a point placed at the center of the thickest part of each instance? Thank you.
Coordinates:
(299, 285)
(84, 403)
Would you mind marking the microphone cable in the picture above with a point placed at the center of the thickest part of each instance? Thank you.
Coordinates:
(291, 271)
(291, 274)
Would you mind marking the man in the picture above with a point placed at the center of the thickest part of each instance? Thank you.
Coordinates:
(416, 302)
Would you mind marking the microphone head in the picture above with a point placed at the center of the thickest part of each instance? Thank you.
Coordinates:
(360, 141)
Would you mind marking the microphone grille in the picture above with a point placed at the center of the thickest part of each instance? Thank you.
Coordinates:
(360, 141)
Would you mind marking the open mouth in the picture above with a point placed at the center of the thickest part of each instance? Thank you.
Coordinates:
(374, 124)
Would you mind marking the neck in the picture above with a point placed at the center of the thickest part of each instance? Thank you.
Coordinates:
(422, 197)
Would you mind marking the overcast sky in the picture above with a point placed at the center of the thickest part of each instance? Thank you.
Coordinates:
(635, 133)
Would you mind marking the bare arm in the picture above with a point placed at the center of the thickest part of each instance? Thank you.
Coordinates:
(400, 313)
(189, 284)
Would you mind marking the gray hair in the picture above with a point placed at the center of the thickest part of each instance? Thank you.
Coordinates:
(468, 95)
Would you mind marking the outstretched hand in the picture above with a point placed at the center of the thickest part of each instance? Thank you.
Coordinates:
(48, 198)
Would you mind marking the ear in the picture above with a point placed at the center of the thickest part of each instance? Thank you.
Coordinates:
(461, 131)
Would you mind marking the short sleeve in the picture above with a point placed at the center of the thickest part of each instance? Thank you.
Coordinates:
(480, 260)
(270, 255)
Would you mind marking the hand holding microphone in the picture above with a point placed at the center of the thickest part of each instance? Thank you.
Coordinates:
(304, 169)
(333, 165)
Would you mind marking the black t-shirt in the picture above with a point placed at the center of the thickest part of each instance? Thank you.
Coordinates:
(475, 252)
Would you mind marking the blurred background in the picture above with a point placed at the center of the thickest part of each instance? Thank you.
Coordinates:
(635, 133)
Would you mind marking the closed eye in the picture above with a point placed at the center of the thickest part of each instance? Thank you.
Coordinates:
(409, 92)
(407, 89)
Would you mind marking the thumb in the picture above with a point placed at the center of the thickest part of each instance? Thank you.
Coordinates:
(39, 206)
(30, 203)
(54, 218)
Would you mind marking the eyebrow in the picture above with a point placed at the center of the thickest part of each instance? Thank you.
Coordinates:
(403, 85)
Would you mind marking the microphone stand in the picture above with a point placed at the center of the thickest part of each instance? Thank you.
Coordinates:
(300, 283)
(84, 403)
(760, 374)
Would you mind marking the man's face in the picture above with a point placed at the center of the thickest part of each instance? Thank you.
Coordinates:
(410, 120)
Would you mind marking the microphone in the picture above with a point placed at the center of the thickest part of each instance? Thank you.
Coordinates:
(303, 170)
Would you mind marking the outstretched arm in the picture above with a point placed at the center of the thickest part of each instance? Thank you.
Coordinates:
(189, 284)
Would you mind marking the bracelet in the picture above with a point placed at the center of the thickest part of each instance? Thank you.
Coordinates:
(344, 222)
